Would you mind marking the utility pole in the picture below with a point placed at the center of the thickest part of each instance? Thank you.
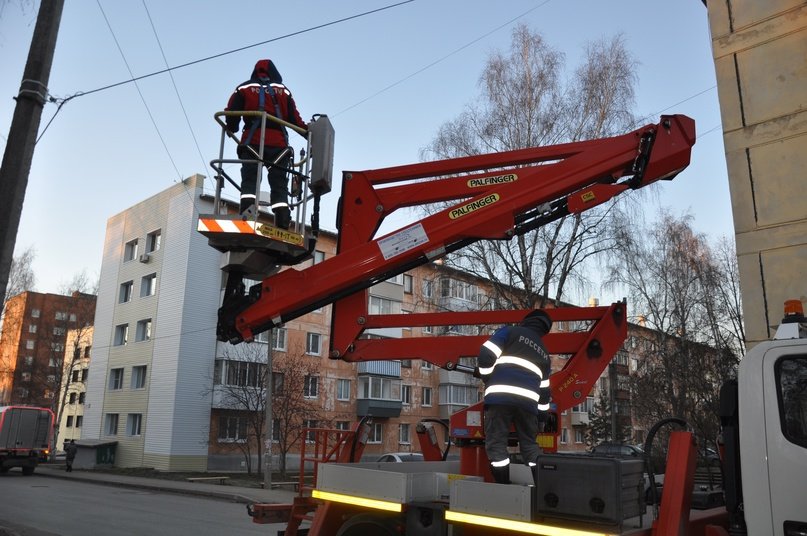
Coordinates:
(267, 455)
(24, 127)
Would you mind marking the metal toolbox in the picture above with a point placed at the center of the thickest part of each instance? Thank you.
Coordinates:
(591, 488)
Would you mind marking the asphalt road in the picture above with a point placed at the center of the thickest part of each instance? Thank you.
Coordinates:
(43, 506)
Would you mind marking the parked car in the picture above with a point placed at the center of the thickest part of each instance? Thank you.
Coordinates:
(619, 450)
(401, 457)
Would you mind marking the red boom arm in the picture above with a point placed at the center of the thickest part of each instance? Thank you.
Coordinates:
(498, 195)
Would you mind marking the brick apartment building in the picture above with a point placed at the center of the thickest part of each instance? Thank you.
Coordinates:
(33, 344)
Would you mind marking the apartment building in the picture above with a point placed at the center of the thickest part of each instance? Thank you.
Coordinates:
(75, 371)
(33, 343)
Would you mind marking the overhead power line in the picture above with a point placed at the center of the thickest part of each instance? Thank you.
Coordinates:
(233, 51)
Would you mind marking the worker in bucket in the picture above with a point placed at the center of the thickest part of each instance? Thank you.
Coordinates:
(515, 367)
(264, 91)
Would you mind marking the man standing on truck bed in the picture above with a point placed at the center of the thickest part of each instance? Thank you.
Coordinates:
(515, 367)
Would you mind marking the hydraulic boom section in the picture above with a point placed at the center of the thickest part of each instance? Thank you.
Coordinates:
(494, 196)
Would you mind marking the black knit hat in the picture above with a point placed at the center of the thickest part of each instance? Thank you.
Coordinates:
(537, 320)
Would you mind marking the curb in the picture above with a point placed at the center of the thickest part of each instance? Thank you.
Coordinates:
(232, 497)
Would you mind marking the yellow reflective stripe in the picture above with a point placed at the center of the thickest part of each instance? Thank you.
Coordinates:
(518, 526)
(545, 383)
(485, 370)
(512, 390)
(543, 407)
(493, 347)
(501, 463)
(357, 501)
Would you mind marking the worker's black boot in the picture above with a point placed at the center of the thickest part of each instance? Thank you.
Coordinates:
(282, 217)
(501, 474)
(247, 208)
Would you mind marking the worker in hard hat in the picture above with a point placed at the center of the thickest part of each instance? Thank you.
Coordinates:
(264, 91)
(515, 367)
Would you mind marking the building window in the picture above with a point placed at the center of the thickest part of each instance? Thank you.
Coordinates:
(116, 379)
(278, 379)
(79, 420)
(81, 397)
(59, 332)
(403, 433)
(378, 388)
(310, 434)
(239, 373)
(342, 425)
(311, 387)
(407, 284)
(29, 344)
(459, 395)
(232, 429)
(425, 365)
(153, 241)
(26, 376)
(376, 433)
(72, 317)
(69, 422)
(427, 396)
(564, 435)
(406, 394)
(111, 424)
(52, 363)
(383, 306)
(578, 436)
(29, 360)
(276, 430)
(72, 398)
(125, 292)
(121, 334)
(74, 376)
(87, 351)
(57, 347)
(143, 332)
(342, 389)
(34, 313)
(139, 377)
(130, 251)
(133, 423)
(84, 374)
(148, 285)
(279, 339)
(427, 330)
(313, 343)
(428, 288)
(60, 315)
(31, 328)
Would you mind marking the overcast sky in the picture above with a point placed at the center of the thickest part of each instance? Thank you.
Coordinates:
(387, 80)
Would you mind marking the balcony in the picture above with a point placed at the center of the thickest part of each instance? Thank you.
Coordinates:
(378, 408)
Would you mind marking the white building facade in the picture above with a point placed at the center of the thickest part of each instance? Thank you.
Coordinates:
(149, 385)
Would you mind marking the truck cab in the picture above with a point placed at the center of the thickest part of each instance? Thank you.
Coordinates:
(772, 406)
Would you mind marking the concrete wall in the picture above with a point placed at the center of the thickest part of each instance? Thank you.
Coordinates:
(759, 50)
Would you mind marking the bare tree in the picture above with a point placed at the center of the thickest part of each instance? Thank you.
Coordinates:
(524, 103)
(295, 401)
(241, 379)
(676, 283)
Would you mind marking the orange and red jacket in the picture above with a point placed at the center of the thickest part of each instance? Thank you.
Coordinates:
(277, 101)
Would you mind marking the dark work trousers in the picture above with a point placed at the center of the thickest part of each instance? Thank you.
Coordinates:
(278, 181)
(497, 428)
